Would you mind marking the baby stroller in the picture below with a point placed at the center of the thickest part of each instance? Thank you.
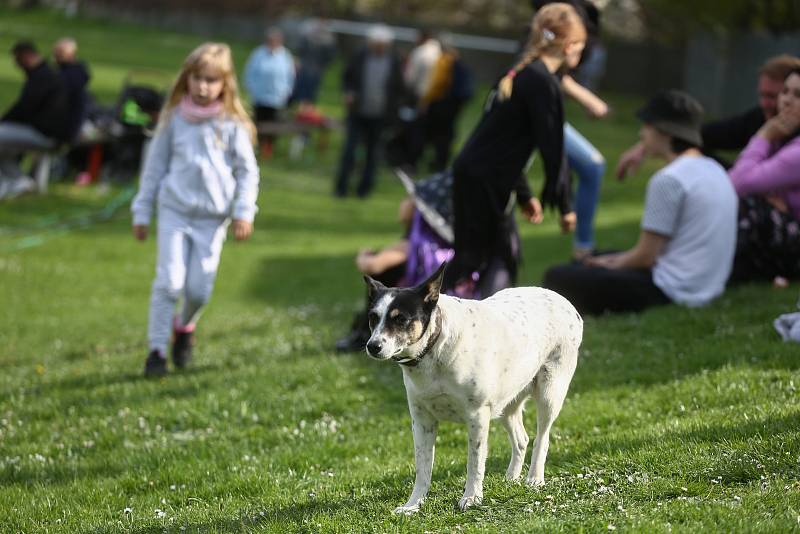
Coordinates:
(136, 114)
(113, 137)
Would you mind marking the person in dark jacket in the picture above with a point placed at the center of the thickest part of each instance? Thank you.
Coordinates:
(734, 132)
(450, 87)
(38, 120)
(523, 113)
(76, 78)
(373, 82)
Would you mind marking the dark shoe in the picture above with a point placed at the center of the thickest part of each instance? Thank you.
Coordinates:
(354, 341)
(155, 366)
(182, 349)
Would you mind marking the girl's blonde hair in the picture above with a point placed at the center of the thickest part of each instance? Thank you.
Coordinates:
(554, 26)
(217, 58)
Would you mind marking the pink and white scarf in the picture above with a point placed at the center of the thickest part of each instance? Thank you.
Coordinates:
(194, 113)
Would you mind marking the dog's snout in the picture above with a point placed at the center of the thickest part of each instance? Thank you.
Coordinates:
(374, 348)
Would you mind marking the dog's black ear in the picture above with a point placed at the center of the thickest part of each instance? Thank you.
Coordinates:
(373, 287)
(431, 287)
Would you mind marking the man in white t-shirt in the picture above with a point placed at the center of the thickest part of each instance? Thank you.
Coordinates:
(688, 230)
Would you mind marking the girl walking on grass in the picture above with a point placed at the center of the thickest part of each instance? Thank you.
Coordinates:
(200, 172)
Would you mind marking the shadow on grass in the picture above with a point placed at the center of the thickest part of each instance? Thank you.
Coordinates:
(313, 279)
(291, 517)
(56, 474)
(711, 433)
(100, 388)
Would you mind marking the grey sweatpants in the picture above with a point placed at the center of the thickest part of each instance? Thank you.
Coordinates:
(188, 256)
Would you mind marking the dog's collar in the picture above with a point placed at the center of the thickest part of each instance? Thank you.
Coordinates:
(434, 337)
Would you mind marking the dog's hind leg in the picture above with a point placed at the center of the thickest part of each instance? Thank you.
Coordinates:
(424, 427)
(513, 423)
(550, 389)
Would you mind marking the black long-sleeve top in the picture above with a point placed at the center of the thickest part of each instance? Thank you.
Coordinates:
(76, 77)
(732, 133)
(43, 103)
(510, 130)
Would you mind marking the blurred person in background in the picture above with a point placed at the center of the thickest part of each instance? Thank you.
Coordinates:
(269, 78)
(450, 87)
(372, 83)
(734, 132)
(76, 79)
(767, 179)
(38, 120)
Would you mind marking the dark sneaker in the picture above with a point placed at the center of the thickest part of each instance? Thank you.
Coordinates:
(155, 365)
(355, 341)
(182, 349)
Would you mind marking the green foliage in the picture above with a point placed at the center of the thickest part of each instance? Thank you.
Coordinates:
(671, 19)
(677, 419)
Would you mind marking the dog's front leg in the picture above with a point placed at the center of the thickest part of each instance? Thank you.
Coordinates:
(424, 427)
(476, 457)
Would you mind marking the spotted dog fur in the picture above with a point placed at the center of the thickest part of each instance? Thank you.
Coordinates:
(485, 359)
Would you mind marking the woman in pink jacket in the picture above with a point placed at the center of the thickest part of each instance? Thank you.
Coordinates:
(767, 178)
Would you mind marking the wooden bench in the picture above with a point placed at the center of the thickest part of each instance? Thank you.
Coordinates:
(300, 129)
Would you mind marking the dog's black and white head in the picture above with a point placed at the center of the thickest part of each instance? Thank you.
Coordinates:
(399, 318)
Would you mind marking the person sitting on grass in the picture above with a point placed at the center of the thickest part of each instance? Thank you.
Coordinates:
(425, 245)
(688, 230)
(201, 171)
(767, 178)
(732, 132)
(427, 216)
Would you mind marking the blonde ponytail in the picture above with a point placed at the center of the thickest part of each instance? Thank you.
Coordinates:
(506, 83)
(552, 28)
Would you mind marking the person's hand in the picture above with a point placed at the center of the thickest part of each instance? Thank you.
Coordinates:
(597, 109)
(242, 229)
(364, 260)
(781, 125)
(532, 210)
(778, 203)
(568, 222)
(630, 161)
(140, 232)
(607, 261)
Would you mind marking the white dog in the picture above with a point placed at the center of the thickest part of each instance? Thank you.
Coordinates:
(471, 361)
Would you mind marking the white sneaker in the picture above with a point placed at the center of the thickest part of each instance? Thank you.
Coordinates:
(18, 186)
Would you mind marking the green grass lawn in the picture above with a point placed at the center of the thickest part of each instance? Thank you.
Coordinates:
(677, 419)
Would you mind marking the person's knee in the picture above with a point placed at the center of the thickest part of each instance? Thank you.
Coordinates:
(197, 292)
(167, 287)
(594, 167)
(555, 277)
(597, 159)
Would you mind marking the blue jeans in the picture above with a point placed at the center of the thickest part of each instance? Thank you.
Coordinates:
(590, 166)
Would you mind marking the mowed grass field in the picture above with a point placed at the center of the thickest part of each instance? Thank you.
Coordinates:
(677, 420)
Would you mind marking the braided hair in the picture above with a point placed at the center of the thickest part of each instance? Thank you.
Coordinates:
(553, 27)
